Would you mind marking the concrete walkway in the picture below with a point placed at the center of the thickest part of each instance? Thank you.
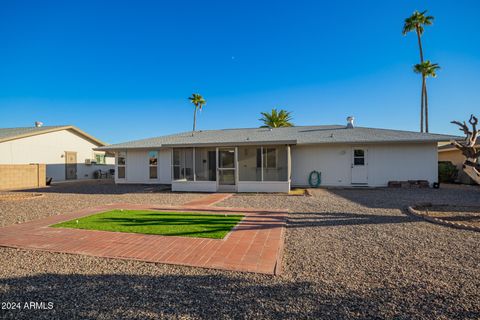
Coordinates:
(254, 245)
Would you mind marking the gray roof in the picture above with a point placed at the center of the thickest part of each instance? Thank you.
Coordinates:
(15, 132)
(7, 134)
(290, 135)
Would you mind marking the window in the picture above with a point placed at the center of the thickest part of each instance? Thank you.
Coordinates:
(121, 164)
(359, 157)
(153, 164)
(100, 158)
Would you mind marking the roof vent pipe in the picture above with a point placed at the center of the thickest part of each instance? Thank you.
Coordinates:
(38, 124)
(350, 121)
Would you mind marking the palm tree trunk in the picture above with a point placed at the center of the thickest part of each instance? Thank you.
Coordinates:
(420, 48)
(194, 118)
(420, 45)
(426, 102)
(421, 106)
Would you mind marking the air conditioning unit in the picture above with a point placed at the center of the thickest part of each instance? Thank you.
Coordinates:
(88, 161)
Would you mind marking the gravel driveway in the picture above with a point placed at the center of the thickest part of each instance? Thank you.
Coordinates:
(348, 254)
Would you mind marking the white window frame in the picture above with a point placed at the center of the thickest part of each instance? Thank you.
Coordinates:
(152, 166)
(95, 154)
(122, 165)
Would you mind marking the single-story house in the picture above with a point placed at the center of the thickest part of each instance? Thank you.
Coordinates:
(274, 160)
(448, 152)
(66, 150)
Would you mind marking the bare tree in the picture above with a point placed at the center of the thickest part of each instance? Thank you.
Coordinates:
(471, 166)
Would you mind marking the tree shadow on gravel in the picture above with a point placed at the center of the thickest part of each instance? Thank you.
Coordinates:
(332, 219)
(391, 198)
(99, 187)
(113, 296)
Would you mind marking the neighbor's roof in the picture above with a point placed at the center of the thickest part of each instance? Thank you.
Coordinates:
(451, 147)
(289, 135)
(7, 134)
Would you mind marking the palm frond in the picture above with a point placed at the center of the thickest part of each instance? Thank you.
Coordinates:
(276, 119)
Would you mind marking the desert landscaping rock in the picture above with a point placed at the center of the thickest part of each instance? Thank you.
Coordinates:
(461, 217)
(348, 254)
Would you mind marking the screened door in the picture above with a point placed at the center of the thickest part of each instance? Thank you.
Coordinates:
(226, 169)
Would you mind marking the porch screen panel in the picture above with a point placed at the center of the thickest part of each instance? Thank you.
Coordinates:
(249, 164)
(182, 165)
(275, 163)
(205, 169)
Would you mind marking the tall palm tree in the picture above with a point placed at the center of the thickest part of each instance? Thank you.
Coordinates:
(276, 119)
(198, 101)
(426, 69)
(416, 22)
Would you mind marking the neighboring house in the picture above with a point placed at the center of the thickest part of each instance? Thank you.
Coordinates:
(66, 150)
(273, 160)
(448, 152)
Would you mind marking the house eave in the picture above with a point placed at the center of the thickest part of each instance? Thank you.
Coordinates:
(199, 145)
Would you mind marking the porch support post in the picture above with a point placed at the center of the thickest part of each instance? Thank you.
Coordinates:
(261, 161)
(193, 165)
(289, 164)
(236, 167)
(217, 172)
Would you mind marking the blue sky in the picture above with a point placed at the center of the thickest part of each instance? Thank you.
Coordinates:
(123, 70)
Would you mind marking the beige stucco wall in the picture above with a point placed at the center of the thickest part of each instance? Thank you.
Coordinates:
(49, 148)
(18, 176)
(455, 157)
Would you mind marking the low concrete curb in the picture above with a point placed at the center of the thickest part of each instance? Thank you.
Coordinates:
(417, 213)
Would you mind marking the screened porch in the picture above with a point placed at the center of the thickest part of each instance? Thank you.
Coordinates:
(231, 169)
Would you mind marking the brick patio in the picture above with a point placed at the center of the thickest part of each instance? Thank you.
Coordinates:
(254, 245)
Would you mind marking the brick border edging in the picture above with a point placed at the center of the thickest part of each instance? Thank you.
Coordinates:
(274, 264)
(277, 270)
(413, 211)
(32, 197)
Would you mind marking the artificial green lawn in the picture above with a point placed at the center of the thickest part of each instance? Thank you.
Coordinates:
(183, 224)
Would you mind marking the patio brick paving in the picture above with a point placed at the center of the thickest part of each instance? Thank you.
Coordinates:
(254, 245)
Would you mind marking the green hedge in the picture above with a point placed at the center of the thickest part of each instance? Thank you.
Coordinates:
(447, 171)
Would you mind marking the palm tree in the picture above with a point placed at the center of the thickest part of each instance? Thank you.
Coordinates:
(198, 101)
(426, 69)
(276, 119)
(416, 22)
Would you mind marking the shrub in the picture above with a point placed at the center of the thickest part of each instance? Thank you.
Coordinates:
(447, 171)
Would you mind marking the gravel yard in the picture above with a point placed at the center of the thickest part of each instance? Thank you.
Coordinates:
(348, 254)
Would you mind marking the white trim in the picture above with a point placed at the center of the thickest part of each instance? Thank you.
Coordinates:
(123, 165)
(264, 186)
(194, 186)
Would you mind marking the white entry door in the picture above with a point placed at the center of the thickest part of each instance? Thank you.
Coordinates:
(359, 166)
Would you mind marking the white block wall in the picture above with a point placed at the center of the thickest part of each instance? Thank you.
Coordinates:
(386, 162)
